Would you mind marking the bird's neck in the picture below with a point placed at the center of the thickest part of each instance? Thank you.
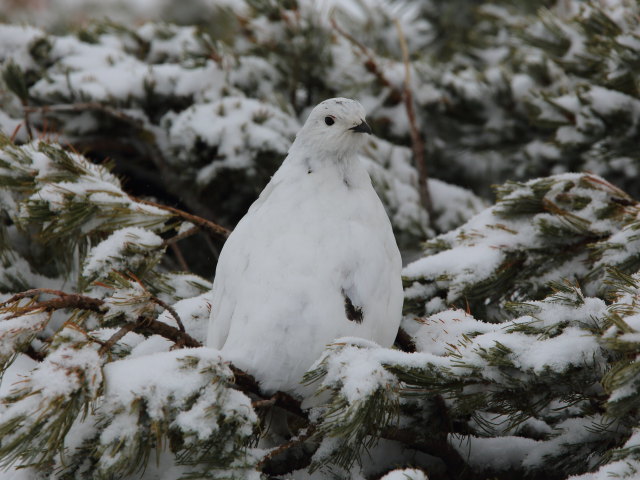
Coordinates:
(320, 155)
(340, 167)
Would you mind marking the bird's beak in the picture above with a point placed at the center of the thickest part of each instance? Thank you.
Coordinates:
(362, 128)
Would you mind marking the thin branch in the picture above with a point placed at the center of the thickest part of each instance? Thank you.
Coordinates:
(212, 227)
(82, 302)
(73, 301)
(78, 107)
(65, 300)
(155, 327)
(15, 133)
(263, 403)
(286, 446)
(371, 65)
(214, 250)
(31, 293)
(180, 257)
(625, 202)
(417, 143)
(27, 122)
(181, 236)
(106, 346)
(171, 310)
(406, 95)
(601, 181)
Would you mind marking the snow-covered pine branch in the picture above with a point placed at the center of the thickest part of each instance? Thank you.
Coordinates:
(523, 315)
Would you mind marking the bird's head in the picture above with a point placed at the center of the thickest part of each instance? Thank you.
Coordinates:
(336, 126)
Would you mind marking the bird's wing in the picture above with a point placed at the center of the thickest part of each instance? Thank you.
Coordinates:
(233, 261)
(276, 180)
(237, 249)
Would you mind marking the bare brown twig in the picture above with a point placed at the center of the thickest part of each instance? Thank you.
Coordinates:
(65, 300)
(286, 446)
(171, 310)
(180, 236)
(27, 121)
(15, 133)
(83, 302)
(212, 227)
(263, 403)
(31, 293)
(106, 346)
(370, 64)
(182, 262)
(417, 143)
(151, 326)
(78, 107)
(406, 95)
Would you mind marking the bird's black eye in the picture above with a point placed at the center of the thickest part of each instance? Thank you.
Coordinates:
(329, 120)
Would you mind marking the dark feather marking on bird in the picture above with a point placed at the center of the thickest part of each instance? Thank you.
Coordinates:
(353, 313)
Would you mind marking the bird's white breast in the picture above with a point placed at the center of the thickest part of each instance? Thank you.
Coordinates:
(315, 232)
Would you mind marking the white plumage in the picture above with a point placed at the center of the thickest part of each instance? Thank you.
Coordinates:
(313, 250)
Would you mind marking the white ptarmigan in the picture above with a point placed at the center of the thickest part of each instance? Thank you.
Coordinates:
(314, 258)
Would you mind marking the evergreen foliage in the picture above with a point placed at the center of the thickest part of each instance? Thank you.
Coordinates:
(544, 230)
(518, 354)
